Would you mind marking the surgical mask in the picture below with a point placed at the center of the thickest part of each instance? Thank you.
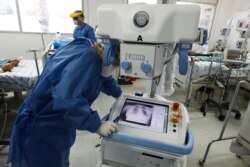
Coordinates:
(75, 22)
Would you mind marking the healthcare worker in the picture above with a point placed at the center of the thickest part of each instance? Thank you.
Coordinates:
(82, 29)
(45, 127)
(166, 85)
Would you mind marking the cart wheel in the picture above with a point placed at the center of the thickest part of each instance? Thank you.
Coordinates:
(201, 162)
(238, 156)
(221, 117)
(6, 112)
(237, 116)
(226, 105)
(202, 109)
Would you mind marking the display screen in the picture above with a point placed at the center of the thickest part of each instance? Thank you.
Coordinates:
(136, 57)
(145, 115)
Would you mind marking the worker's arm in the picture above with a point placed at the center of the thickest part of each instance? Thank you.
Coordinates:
(110, 87)
(75, 33)
(91, 34)
(78, 85)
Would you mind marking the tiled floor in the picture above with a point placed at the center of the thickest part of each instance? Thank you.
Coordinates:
(84, 153)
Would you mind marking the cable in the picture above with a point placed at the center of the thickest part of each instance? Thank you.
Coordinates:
(157, 80)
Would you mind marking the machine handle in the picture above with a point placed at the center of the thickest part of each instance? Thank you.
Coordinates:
(183, 63)
(183, 57)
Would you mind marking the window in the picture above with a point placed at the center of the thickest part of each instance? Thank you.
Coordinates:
(142, 1)
(59, 14)
(8, 16)
(48, 16)
(206, 16)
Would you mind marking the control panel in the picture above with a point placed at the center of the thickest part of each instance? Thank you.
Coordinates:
(152, 119)
(175, 118)
(142, 60)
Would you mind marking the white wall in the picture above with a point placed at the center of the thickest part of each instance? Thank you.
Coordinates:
(13, 45)
(225, 10)
(234, 34)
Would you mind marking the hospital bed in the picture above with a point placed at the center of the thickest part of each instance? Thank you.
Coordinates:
(21, 78)
(201, 66)
(228, 76)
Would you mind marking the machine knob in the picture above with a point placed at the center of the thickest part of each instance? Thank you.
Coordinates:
(146, 68)
(126, 65)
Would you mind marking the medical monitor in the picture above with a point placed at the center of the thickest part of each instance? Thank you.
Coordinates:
(144, 115)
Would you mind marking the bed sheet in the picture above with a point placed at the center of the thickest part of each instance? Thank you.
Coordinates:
(201, 69)
(240, 72)
(21, 78)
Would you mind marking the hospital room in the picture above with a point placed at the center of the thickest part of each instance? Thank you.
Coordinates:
(125, 83)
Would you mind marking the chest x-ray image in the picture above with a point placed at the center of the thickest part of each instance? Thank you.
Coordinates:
(137, 113)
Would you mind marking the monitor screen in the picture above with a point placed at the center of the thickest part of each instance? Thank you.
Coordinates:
(144, 115)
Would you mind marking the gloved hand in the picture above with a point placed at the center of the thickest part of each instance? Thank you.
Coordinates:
(107, 128)
(99, 49)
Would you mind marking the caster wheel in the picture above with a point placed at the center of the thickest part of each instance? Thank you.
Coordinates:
(207, 101)
(226, 106)
(202, 109)
(221, 117)
(237, 116)
(201, 162)
(238, 156)
(6, 112)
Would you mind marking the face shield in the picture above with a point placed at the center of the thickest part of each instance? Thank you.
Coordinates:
(77, 20)
(77, 16)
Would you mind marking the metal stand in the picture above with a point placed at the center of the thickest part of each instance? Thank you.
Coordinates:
(201, 162)
(188, 96)
(221, 105)
(152, 85)
(35, 57)
(2, 101)
(42, 37)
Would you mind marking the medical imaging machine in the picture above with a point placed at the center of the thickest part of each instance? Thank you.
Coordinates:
(152, 131)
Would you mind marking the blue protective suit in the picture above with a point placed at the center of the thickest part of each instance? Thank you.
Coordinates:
(45, 127)
(85, 31)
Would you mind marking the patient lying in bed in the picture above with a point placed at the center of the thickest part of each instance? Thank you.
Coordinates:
(9, 65)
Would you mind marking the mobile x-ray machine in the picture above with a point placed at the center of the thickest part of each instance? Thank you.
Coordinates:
(152, 131)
